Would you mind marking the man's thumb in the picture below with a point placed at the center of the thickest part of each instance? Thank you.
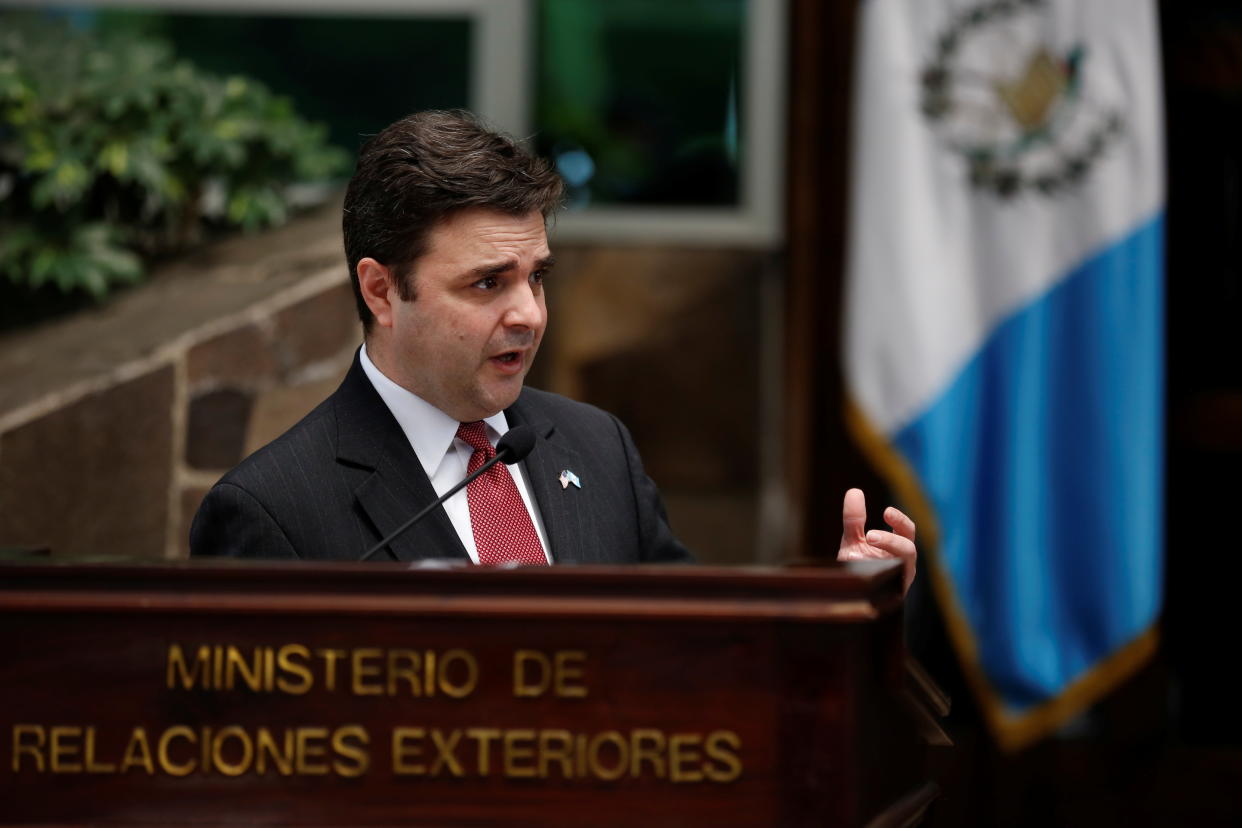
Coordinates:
(854, 514)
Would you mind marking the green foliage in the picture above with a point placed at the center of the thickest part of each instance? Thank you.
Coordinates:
(112, 150)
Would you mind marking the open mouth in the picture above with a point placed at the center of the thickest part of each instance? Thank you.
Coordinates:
(510, 362)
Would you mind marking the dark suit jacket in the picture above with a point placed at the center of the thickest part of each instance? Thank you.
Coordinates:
(345, 477)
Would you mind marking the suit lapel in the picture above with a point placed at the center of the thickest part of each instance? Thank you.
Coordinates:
(369, 437)
(560, 508)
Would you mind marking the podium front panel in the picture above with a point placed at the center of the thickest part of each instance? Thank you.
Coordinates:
(378, 695)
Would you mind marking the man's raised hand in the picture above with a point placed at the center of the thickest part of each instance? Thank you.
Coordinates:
(858, 543)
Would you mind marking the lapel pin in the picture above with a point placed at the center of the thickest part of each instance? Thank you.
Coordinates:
(568, 477)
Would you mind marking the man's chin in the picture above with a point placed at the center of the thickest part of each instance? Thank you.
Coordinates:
(499, 396)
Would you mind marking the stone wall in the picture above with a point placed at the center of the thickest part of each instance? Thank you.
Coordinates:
(114, 423)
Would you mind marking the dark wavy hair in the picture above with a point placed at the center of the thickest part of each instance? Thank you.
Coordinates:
(423, 169)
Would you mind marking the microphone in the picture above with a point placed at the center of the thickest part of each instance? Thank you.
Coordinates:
(512, 448)
(517, 442)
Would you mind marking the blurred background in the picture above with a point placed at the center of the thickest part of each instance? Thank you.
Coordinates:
(173, 295)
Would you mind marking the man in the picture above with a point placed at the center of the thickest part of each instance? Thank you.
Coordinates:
(444, 225)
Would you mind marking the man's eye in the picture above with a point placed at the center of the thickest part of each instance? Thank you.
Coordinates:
(487, 283)
(537, 277)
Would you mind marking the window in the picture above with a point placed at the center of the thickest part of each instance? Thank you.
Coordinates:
(666, 118)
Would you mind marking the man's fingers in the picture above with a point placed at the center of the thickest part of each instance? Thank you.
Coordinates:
(892, 543)
(901, 524)
(899, 547)
(853, 516)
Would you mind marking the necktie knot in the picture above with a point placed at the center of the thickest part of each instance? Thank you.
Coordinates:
(475, 435)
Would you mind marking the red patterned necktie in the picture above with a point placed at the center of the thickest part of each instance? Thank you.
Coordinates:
(503, 530)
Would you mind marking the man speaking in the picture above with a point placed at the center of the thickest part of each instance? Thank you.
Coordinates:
(444, 225)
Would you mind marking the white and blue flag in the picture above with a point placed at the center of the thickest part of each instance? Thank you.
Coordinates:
(1004, 329)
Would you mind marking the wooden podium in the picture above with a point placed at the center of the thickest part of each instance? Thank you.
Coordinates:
(374, 694)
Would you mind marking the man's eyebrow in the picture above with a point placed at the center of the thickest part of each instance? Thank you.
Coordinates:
(490, 269)
(483, 271)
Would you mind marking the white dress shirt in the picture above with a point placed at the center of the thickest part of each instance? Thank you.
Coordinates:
(433, 436)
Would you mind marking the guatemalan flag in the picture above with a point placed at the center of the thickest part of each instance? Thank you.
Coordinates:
(1004, 335)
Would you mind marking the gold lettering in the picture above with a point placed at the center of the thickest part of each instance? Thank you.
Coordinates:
(523, 686)
(330, 657)
(683, 751)
(446, 752)
(217, 751)
(569, 669)
(205, 748)
(580, 745)
(362, 670)
(623, 759)
(137, 752)
(161, 751)
(282, 756)
(396, 671)
(268, 668)
(21, 745)
(346, 750)
(514, 753)
(66, 751)
(725, 754)
(91, 765)
(429, 673)
(287, 664)
(235, 664)
(218, 664)
(561, 753)
(463, 688)
(402, 749)
(311, 747)
(177, 667)
(484, 736)
(648, 746)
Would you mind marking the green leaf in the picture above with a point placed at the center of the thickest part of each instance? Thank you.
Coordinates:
(63, 186)
(115, 158)
(71, 272)
(40, 156)
(43, 266)
(235, 87)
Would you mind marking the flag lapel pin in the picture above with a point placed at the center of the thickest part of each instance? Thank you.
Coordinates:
(568, 477)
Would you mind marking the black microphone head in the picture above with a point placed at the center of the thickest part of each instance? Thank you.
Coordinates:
(516, 443)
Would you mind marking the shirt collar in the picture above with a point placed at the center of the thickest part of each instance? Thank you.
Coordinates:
(429, 430)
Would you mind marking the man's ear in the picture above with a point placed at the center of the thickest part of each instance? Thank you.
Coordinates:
(378, 290)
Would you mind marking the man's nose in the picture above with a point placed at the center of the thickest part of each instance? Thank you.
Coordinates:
(525, 311)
